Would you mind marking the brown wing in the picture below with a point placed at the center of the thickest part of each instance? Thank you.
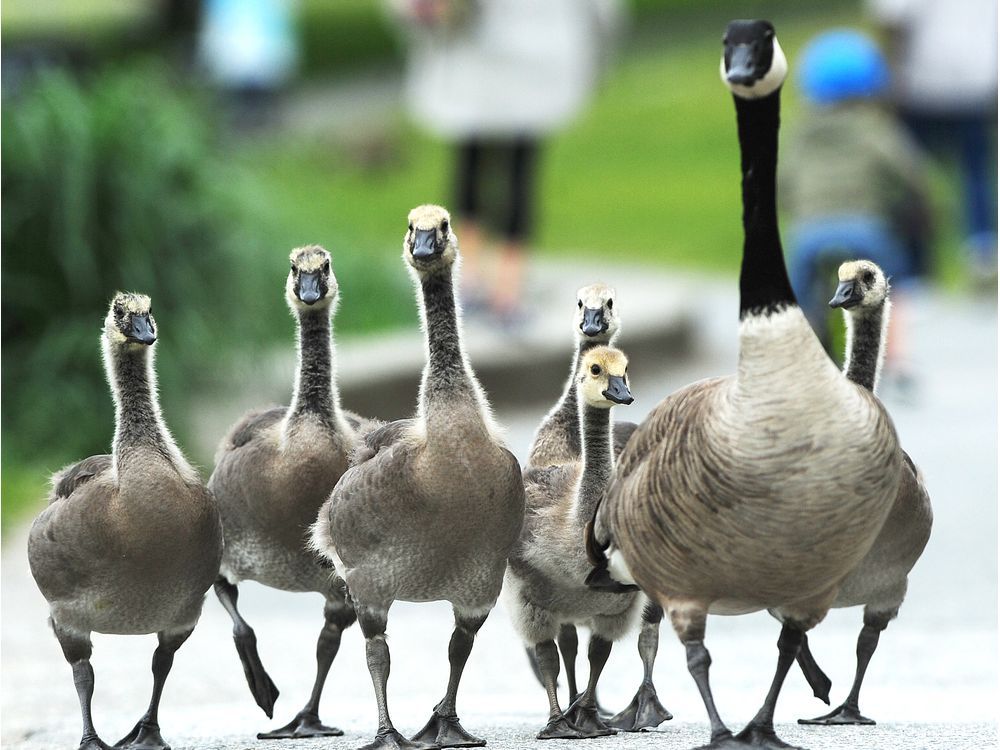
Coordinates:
(66, 482)
(621, 434)
(253, 424)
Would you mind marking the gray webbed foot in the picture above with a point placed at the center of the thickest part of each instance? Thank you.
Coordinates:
(445, 731)
(303, 725)
(725, 741)
(93, 743)
(755, 735)
(144, 736)
(390, 739)
(843, 715)
(588, 720)
(264, 691)
(644, 712)
(561, 728)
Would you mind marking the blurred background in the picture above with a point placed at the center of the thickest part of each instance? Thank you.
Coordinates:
(183, 147)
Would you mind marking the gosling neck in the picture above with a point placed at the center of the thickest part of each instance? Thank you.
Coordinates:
(566, 411)
(139, 425)
(764, 285)
(598, 459)
(315, 396)
(865, 352)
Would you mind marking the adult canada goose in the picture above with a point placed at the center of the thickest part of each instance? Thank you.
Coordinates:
(545, 577)
(879, 582)
(596, 322)
(762, 490)
(434, 504)
(273, 471)
(129, 543)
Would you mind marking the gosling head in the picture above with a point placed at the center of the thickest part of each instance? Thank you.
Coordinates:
(753, 65)
(862, 286)
(310, 283)
(130, 321)
(596, 315)
(603, 378)
(429, 245)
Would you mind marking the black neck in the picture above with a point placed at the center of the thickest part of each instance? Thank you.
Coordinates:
(764, 285)
(864, 352)
(137, 411)
(446, 373)
(314, 396)
(598, 461)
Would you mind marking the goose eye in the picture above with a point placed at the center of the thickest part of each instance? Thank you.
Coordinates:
(411, 226)
(595, 369)
(868, 277)
(292, 265)
(579, 303)
(444, 226)
(326, 266)
(611, 303)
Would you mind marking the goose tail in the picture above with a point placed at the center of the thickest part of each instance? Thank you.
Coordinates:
(601, 575)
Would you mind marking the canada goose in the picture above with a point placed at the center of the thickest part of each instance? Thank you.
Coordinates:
(879, 581)
(762, 490)
(273, 471)
(130, 542)
(545, 587)
(432, 505)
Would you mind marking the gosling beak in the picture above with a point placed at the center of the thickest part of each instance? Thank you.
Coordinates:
(848, 295)
(142, 329)
(617, 390)
(593, 321)
(308, 290)
(424, 243)
(740, 70)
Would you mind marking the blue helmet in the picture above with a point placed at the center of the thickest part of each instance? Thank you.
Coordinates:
(842, 64)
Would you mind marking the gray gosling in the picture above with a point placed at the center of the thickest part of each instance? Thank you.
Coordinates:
(545, 577)
(129, 542)
(716, 499)
(879, 582)
(273, 471)
(434, 504)
(596, 322)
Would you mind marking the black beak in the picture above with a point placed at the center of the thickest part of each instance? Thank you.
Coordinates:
(741, 66)
(617, 390)
(142, 329)
(308, 289)
(593, 321)
(424, 243)
(848, 295)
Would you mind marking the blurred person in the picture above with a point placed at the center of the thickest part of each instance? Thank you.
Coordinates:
(852, 183)
(944, 58)
(494, 77)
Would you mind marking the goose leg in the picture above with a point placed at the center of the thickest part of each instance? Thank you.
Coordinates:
(373, 622)
(848, 712)
(760, 731)
(261, 685)
(77, 649)
(815, 676)
(559, 727)
(583, 712)
(443, 729)
(146, 733)
(338, 616)
(568, 645)
(645, 711)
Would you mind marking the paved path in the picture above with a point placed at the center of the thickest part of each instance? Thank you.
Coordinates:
(932, 683)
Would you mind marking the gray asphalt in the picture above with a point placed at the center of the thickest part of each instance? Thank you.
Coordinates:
(932, 683)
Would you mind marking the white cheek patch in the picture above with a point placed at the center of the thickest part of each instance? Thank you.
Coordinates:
(618, 568)
(771, 81)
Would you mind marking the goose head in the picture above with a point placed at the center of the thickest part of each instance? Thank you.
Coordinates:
(862, 286)
(596, 315)
(130, 321)
(310, 283)
(753, 64)
(430, 246)
(602, 380)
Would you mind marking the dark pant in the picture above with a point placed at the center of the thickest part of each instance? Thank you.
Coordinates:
(495, 181)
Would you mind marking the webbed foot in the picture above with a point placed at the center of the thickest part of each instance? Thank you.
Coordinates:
(588, 720)
(445, 731)
(390, 739)
(561, 728)
(264, 691)
(144, 736)
(303, 725)
(754, 735)
(840, 716)
(644, 712)
(93, 742)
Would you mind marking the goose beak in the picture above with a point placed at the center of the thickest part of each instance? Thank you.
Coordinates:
(848, 295)
(593, 321)
(424, 244)
(142, 329)
(740, 70)
(618, 390)
(308, 289)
